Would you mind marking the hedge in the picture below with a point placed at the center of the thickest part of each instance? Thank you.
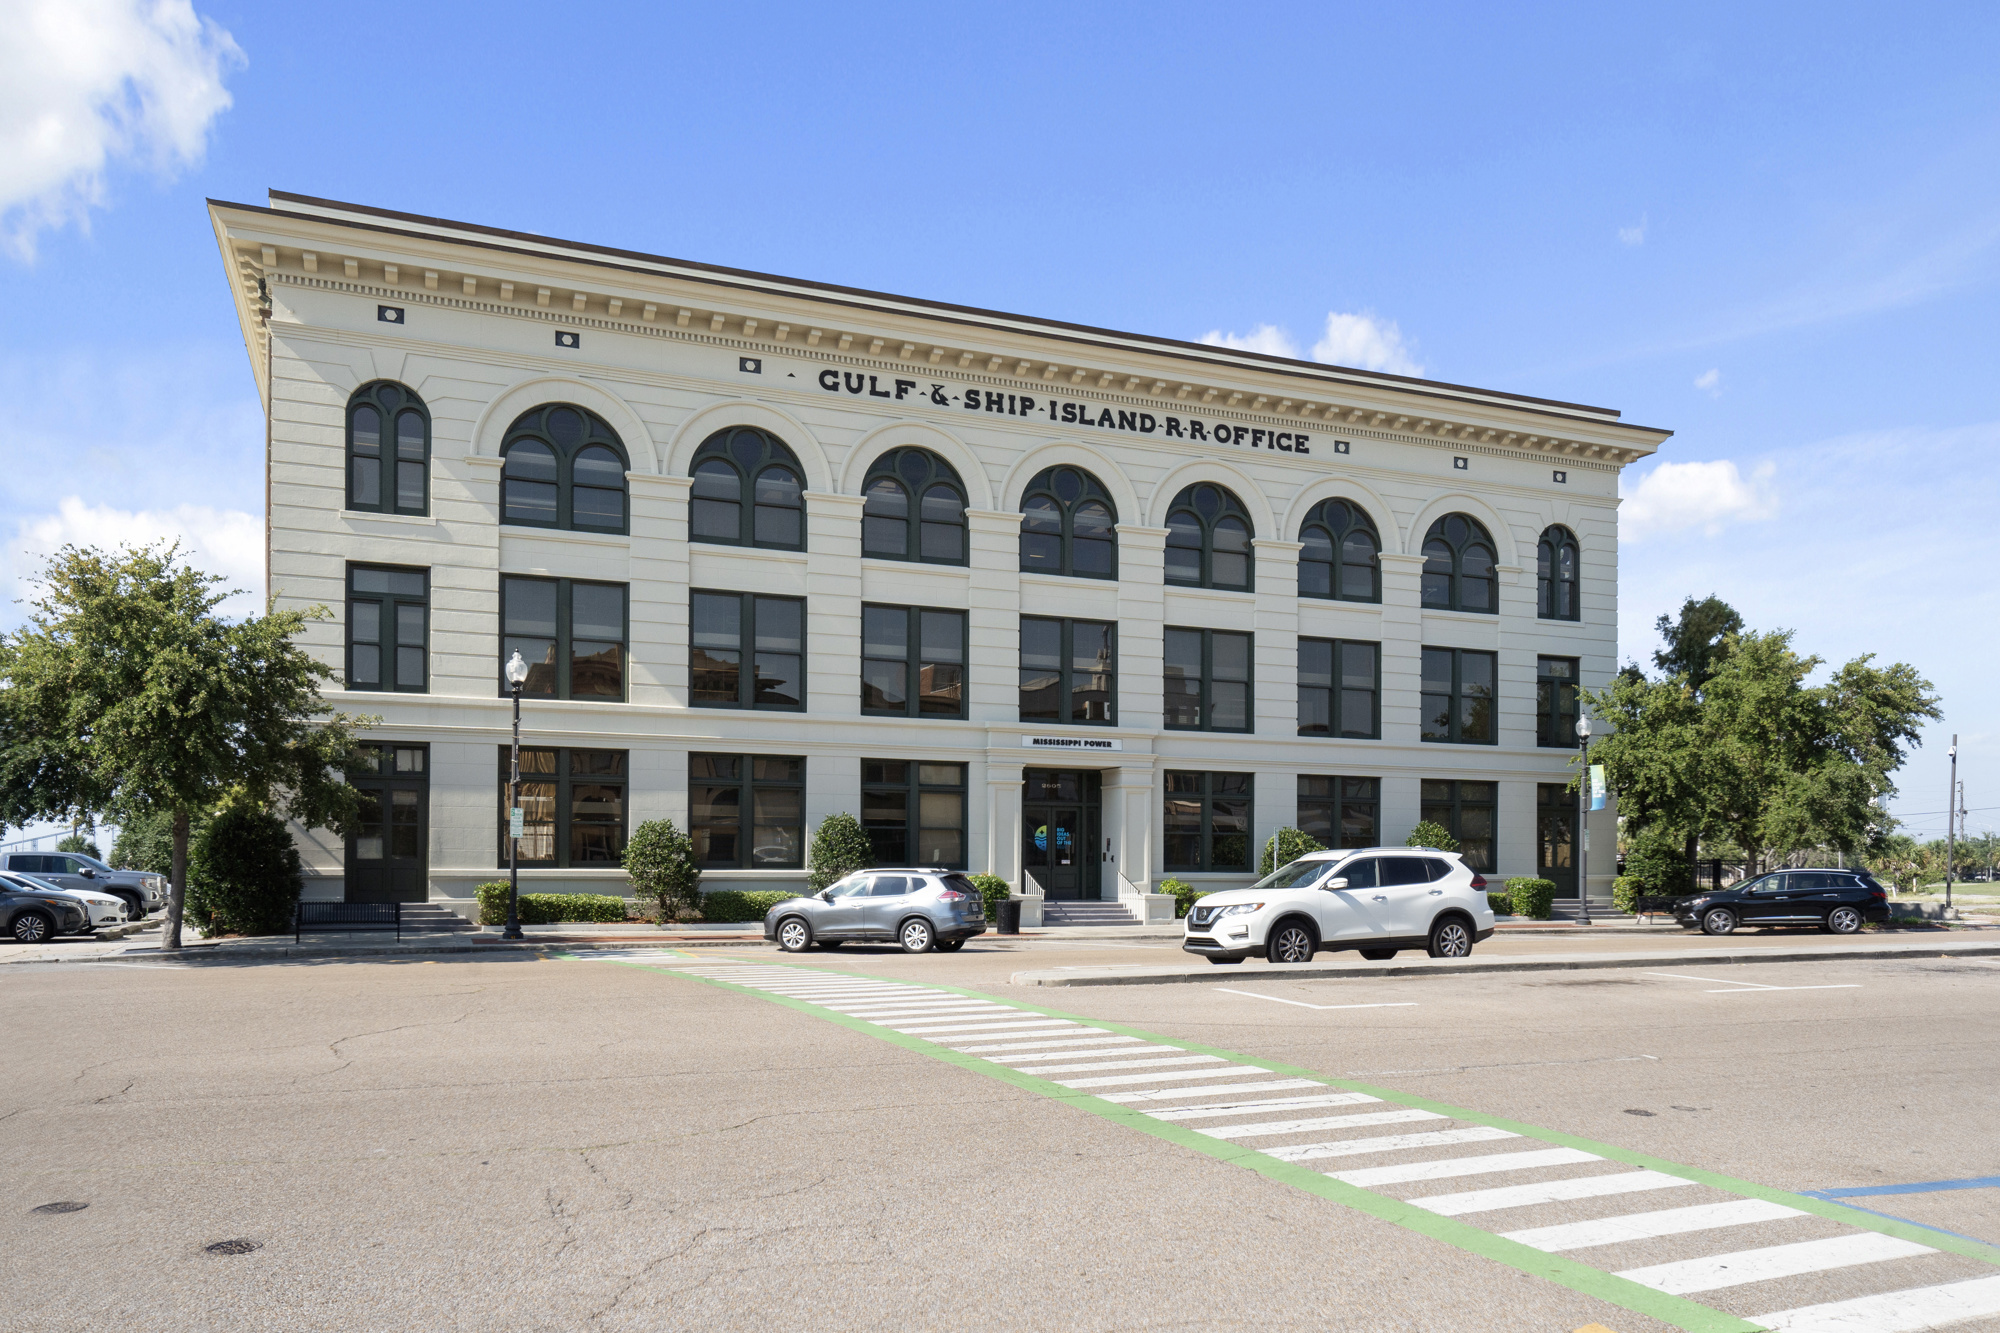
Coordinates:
(244, 874)
(543, 909)
(1625, 894)
(738, 905)
(1185, 894)
(1532, 897)
(994, 890)
(1286, 846)
(1501, 904)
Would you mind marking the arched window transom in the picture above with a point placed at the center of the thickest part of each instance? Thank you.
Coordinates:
(747, 491)
(1208, 539)
(1339, 555)
(564, 467)
(1458, 566)
(388, 450)
(1556, 576)
(1068, 525)
(914, 509)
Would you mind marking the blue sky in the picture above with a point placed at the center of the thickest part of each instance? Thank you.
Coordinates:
(1774, 229)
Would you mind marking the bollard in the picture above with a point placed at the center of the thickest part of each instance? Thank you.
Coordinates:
(1010, 917)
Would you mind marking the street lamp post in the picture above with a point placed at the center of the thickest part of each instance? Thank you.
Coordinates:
(517, 675)
(1583, 820)
(1950, 825)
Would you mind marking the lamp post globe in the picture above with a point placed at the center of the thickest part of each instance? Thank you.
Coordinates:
(517, 676)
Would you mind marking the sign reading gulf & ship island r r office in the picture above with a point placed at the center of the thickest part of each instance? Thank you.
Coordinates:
(1066, 412)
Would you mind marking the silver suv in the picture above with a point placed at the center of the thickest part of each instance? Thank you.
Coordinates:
(920, 909)
(143, 891)
(1375, 899)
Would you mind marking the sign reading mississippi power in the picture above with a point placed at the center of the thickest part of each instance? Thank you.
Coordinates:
(1067, 412)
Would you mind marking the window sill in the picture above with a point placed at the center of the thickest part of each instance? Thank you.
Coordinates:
(369, 515)
(1472, 616)
(569, 535)
(1200, 591)
(1432, 740)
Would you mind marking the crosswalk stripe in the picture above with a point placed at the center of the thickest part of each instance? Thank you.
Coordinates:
(1431, 1138)
(1262, 1105)
(1113, 1080)
(1093, 1042)
(1451, 1167)
(1646, 1226)
(1807, 1256)
(915, 1010)
(1271, 1127)
(1175, 1094)
(1549, 1191)
(1051, 1057)
(1044, 1070)
(1893, 1311)
(969, 1026)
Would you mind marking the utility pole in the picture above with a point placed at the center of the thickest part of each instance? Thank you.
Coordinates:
(1950, 824)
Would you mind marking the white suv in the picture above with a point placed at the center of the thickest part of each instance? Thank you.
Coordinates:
(1375, 899)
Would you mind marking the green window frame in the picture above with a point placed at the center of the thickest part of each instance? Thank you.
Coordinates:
(749, 490)
(1340, 688)
(388, 629)
(1558, 572)
(1341, 812)
(1208, 820)
(913, 508)
(1208, 680)
(1459, 560)
(1069, 525)
(727, 629)
(388, 450)
(1469, 811)
(770, 788)
(1556, 701)
(1340, 555)
(562, 466)
(1460, 698)
(572, 633)
(1069, 671)
(1208, 539)
(902, 646)
(573, 806)
(914, 812)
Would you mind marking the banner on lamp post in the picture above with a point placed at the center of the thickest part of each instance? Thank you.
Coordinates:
(1597, 786)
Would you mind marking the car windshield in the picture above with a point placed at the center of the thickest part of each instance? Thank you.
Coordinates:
(1295, 875)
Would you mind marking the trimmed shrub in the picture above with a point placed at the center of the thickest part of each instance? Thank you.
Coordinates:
(660, 861)
(994, 890)
(1532, 897)
(244, 874)
(737, 905)
(1657, 863)
(546, 909)
(1501, 903)
(1284, 847)
(1185, 894)
(1428, 834)
(840, 848)
(1625, 894)
(81, 845)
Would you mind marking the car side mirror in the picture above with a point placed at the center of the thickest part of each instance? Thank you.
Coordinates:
(88, 873)
(824, 895)
(1334, 885)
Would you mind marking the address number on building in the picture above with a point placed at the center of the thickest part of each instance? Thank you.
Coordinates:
(1070, 743)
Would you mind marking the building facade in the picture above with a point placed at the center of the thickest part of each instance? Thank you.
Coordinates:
(1083, 609)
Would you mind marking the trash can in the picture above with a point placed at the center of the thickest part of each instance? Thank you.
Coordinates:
(1010, 917)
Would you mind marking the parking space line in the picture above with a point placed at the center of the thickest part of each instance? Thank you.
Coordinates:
(1734, 986)
(1279, 999)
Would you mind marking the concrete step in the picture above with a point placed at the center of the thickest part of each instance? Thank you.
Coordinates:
(1059, 913)
(435, 917)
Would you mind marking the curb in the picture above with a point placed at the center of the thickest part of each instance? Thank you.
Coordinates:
(199, 953)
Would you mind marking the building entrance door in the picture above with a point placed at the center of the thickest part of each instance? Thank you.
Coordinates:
(388, 853)
(1059, 823)
(1555, 837)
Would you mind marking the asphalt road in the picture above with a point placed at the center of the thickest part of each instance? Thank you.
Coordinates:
(475, 1143)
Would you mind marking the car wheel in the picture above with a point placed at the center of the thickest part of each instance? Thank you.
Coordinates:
(950, 946)
(917, 935)
(1450, 939)
(1289, 943)
(828, 945)
(1223, 962)
(32, 928)
(1378, 955)
(794, 935)
(1718, 921)
(1843, 920)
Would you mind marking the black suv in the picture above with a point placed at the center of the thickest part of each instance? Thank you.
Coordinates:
(1835, 900)
(28, 917)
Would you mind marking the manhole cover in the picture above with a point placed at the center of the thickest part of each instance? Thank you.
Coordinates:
(66, 1206)
(234, 1246)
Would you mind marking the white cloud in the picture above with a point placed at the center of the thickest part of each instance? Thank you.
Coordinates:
(1634, 235)
(93, 82)
(1710, 382)
(1266, 338)
(228, 542)
(1674, 497)
(1360, 341)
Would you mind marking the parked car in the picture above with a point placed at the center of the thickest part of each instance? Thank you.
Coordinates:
(1378, 900)
(33, 916)
(99, 909)
(143, 891)
(921, 909)
(1835, 900)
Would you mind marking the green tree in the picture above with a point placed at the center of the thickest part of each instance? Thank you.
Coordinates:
(1428, 834)
(1698, 639)
(839, 848)
(659, 858)
(145, 842)
(1286, 846)
(82, 846)
(126, 692)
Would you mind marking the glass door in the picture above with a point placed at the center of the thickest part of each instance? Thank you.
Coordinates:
(1555, 837)
(388, 853)
(1055, 849)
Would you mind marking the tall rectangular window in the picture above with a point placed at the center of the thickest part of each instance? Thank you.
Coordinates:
(572, 806)
(1340, 812)
(388, 615)
(1069, 670)
(1555, 701)
(914, 812)
(912, 662)
(1207, 680)
(730, 631)
(747, 811)
(571, 634)
(1458, 696)
(1340, 688)
(1466, 811)
(1208, 821)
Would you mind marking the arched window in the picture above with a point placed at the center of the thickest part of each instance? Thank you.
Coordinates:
(1556, 576)
(388, 450)
(1339, 556)
(914, 510)
(1068, 526)
(747, 491)
(1458, 566)
(564, 468)
(1208, 539)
